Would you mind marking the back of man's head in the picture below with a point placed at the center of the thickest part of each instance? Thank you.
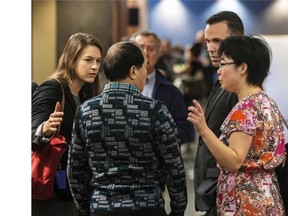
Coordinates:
(234, 22)
(120, 58)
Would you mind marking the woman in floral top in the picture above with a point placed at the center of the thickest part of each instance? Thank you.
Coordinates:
(252, 140)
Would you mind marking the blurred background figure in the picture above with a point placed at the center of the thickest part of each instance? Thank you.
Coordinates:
(166, 59)
(191, 79)
(209, 71)
(204, 56)
(178, 51)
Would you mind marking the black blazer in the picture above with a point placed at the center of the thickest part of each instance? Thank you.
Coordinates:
(205, 168)
(171, 96)
(43, 104)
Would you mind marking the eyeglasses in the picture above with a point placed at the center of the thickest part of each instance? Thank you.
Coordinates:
(222, 65)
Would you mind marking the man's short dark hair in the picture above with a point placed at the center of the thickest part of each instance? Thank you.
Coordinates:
(120, 58)
(234, 22)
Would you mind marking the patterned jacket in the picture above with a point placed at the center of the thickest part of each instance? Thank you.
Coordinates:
(125, 147)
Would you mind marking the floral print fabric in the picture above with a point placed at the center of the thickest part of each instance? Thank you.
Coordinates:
(253, 189)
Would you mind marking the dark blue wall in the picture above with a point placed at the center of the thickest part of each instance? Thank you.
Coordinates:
(180, 21)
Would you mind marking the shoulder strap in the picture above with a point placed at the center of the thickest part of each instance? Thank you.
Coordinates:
(62, 101)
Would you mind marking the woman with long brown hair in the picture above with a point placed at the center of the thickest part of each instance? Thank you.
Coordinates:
(77, 72)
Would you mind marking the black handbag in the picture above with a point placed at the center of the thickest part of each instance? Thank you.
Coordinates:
(282, 176)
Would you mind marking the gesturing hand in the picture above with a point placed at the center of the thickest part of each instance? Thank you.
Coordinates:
(196, 116)
(55, 119)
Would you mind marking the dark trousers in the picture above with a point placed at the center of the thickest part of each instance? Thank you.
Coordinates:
(53, 207)
(143, 212)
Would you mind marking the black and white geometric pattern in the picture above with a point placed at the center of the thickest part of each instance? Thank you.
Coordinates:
(125, 148)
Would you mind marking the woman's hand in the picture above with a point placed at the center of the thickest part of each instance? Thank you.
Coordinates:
(55, 119)
(196, 116)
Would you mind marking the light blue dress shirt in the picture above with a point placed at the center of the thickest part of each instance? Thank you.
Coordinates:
(149, 85)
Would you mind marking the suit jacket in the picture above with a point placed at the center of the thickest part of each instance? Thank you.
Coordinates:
(171, 96)
(43, 104)
(205, 169)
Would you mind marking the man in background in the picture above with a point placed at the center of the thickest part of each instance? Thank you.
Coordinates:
(166, 59)
(158, 87)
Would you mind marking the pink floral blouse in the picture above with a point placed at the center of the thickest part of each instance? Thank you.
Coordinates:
(253, 189)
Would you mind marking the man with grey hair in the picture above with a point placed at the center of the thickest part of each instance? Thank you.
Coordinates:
(158, 87)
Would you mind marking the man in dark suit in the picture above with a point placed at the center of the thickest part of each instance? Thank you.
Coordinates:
(158, 87)
(220, 102)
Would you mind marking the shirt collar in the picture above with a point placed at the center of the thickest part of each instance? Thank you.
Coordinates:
(121, 87)
(151, 77)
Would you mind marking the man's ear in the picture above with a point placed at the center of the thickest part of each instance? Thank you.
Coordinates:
(132, 73)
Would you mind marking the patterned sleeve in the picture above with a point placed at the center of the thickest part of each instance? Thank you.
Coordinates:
(78, 169)
(258, 118)
(241, 119)
(173, 166)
